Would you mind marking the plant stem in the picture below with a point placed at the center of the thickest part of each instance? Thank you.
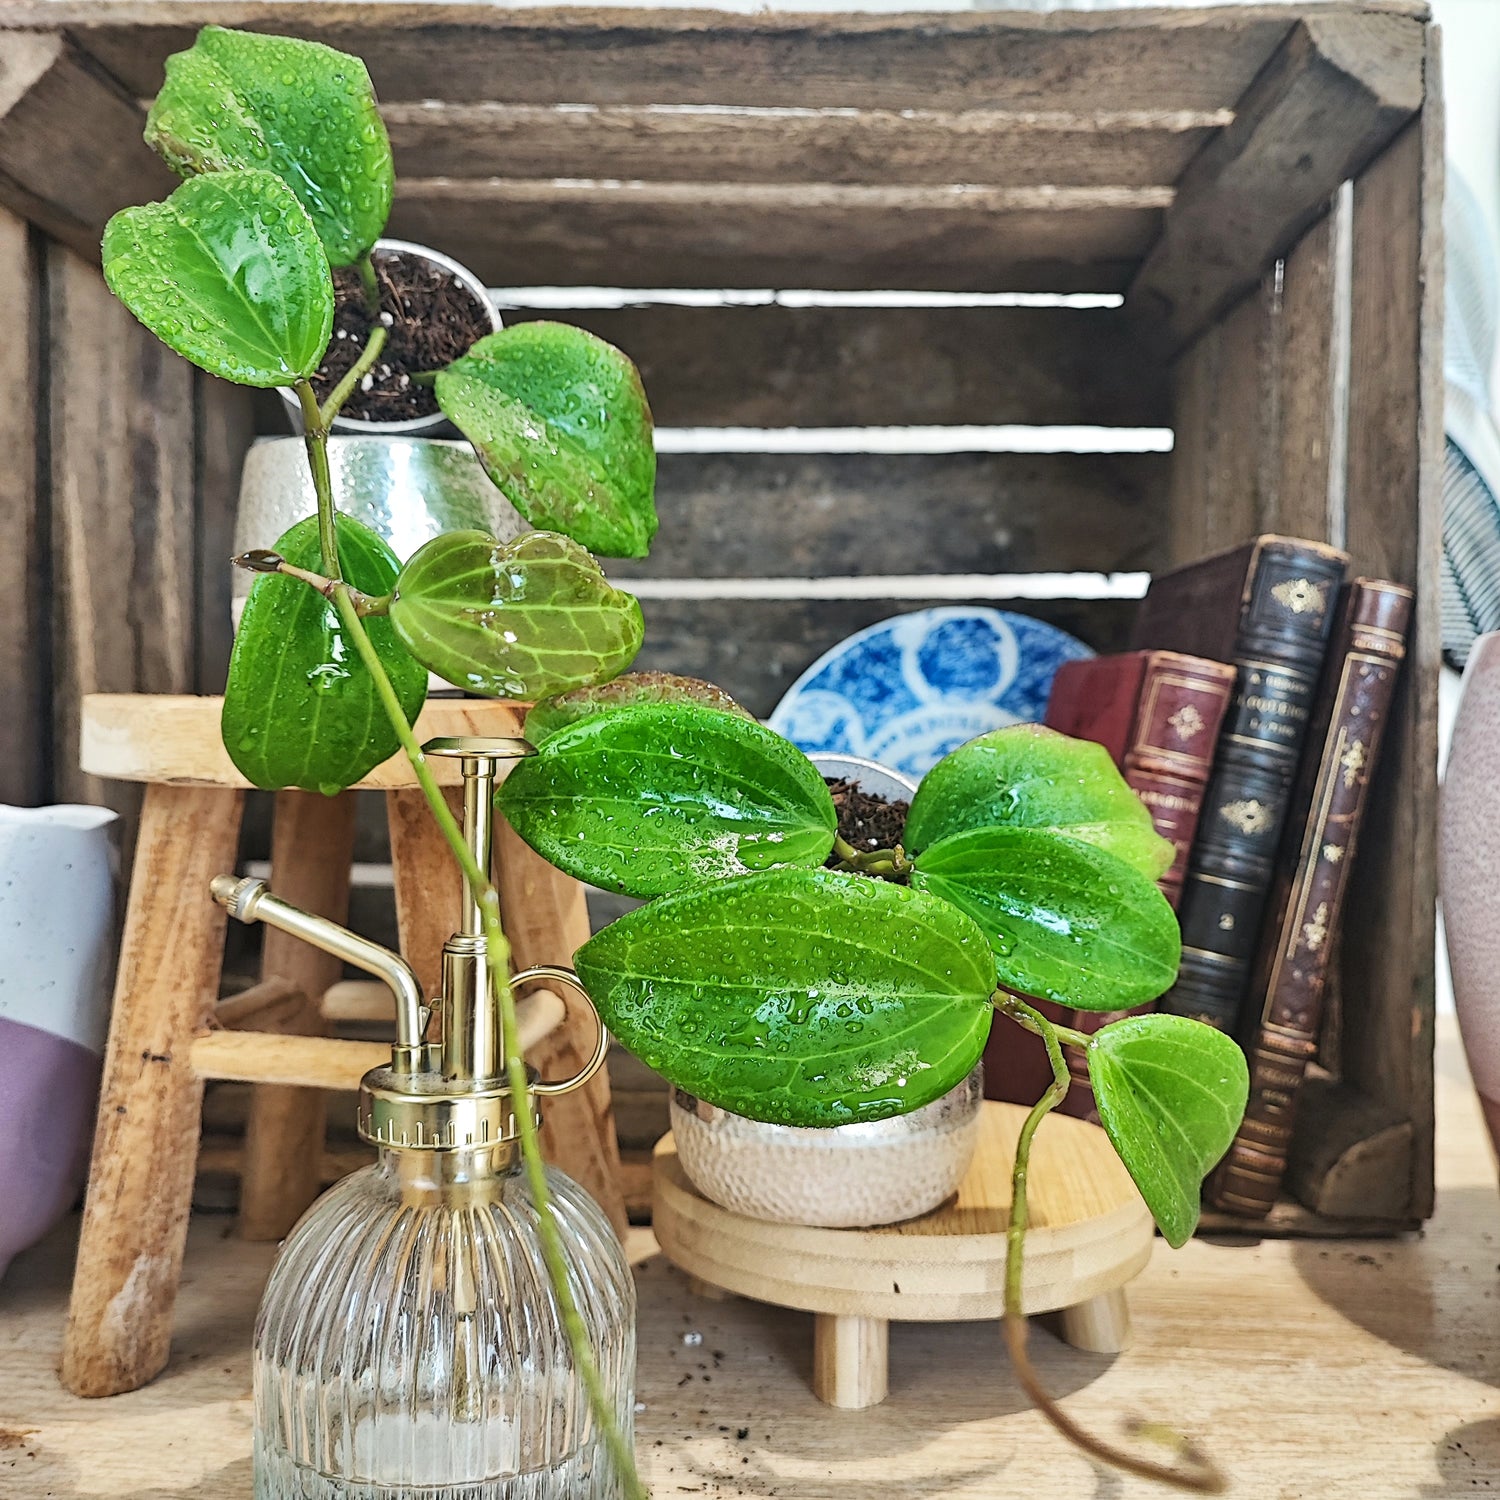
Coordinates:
(1195, 1471)
(423, 377)
(361, 367)
(1036, 1023)
(259, 560)
(885, 862)
(497, 958)
(366, 267)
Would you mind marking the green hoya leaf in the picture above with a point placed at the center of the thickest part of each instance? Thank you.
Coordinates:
(1068, 921)
(519, 619)
(560, 422)
(1025, 776)
(230, 273)
(802, 997)
(301, 709)
(1171, 1093)
(236, 101)
(660, 796)
(547, 718)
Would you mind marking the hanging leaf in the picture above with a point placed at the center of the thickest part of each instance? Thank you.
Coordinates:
(301, 709)
(1171, 1093)
(560, 422)
(547, 718)
(239, 101)
(1025, 776)
(660, 796)
(802, 997)
(519, 619)
(1067, 921)
(230, 273)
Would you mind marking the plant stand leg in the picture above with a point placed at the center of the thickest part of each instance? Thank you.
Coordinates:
(706, 1291)
(1101, 1325)
(850, 1360)
(427, 880)
(312, 844)
(146, 1143)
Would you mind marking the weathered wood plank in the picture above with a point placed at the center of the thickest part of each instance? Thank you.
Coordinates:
(120, 434)
(897, 366)
(1336, 91)
(70, 141)
(1394, 529)
(25, 561)
(813, 515)
(952, 60)
(755, 649)
(224, 428)
(1130, 148)
(753, 235)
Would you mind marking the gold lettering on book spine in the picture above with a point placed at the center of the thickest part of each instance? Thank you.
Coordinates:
(1301, 596)
(1250, 816)
(1187, 723)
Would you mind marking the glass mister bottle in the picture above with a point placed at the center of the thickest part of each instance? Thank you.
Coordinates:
(409, 1344)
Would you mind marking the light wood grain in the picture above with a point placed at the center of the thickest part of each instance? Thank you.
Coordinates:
(270, 1000)
(140, 1183)
(427, 881)
(851, 1361)
(171, 738)
(1101, 1325)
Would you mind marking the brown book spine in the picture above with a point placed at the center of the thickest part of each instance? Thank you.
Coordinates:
(1302, 928)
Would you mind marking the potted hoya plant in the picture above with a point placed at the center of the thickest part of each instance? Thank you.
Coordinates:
(775, 970)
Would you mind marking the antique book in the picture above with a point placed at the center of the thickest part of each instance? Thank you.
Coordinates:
(1158, 714)
(1267, 608)
(1284, 1007)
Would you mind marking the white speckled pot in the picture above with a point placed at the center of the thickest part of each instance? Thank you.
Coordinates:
(846, 1177)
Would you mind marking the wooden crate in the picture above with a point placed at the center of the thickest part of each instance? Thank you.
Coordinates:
(1262, 184)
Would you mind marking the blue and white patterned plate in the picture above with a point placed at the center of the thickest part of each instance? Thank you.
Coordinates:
(907, 690)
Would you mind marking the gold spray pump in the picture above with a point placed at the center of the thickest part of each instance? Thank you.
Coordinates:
(409, 1343)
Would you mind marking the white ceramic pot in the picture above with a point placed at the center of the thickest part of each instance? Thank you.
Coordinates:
(436, 425)
(58, 869)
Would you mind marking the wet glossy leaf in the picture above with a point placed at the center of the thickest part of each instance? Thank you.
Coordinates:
(560, 422)
(659, 796)
(520, 619)
(803, 997)
(547, 718)
(300, 708)
(1171, 1093)
(1025, 776)
(236, 100)
(1067, 921)
(230, 273)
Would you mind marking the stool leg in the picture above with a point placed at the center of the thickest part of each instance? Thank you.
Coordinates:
(312, 844)
(1101, 1325)
(145, 1146)
(547, 921)
(706, 1291)
(427, 880)
(850, 1360)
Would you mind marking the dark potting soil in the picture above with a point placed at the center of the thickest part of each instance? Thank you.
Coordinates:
(431, 318)
(866, 821)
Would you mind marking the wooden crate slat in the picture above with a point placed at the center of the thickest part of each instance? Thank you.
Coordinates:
(1337, 90)
(224, 428)
(25, 564)
(1138, 149)
(819, 514)
(70, 141)
(1394, 522)
(755, 649)
(665, 234)
(897, 366)
(955, 60)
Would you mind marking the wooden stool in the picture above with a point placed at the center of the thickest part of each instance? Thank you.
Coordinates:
(168, 1034)
(1090, 1234)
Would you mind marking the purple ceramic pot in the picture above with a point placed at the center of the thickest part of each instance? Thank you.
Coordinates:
(57, 920)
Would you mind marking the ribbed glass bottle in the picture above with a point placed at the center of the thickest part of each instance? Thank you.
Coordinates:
(409, 1344)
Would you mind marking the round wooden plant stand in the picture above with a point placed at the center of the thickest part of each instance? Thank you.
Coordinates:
(1090, 1235)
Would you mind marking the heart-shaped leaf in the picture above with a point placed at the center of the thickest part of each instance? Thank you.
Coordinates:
(239, 101)
(301, 709)
(660, 796)
(520, 619)
(560, 422)
(1067, 921)
(1171, 1093)
(1025, 776)
(547, 718)
(230, 273)
(802, 997)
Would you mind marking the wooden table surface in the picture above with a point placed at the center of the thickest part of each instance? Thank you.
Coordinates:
(1340, 1369)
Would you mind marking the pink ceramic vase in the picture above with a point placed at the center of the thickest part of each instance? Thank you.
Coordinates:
(1469, 869)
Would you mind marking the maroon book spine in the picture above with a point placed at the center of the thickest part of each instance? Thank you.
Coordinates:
(1301, 932)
